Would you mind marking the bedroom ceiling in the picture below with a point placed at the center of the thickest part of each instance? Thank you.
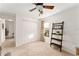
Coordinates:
(23, 8)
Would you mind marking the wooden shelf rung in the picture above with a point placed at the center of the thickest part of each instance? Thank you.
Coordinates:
(56, 39)
(56, 44)
(56, 28)
(57, 34)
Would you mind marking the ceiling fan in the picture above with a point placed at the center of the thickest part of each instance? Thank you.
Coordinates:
(40, 6)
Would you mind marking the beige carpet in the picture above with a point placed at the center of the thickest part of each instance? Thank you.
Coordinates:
(37, 48)
(8, 43)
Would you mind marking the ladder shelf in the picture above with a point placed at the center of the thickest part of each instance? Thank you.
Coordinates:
(57, 30)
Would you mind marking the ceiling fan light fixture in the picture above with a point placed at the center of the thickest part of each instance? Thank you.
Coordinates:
(40, 8)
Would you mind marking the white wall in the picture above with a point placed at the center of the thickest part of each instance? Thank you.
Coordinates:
(2, 31)
(27, 30)
(71, 28)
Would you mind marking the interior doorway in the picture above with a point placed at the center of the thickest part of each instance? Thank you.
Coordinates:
(46, 32)
(9, 30)
(9, 33)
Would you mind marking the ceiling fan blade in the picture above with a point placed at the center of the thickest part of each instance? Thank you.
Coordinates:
(48, 7)
(32, 9)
